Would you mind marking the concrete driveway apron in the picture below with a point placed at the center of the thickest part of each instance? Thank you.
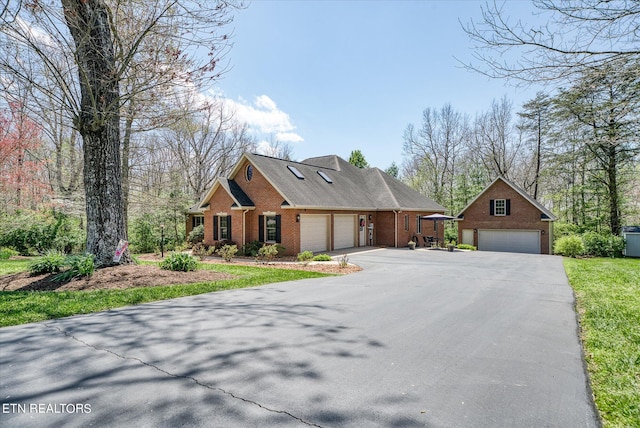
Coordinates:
(419, 338)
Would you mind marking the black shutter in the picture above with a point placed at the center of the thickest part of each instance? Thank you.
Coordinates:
(491, 207)
(215, 227)
(261, 228)
(229, 227)
(508, 209)
(278, 229)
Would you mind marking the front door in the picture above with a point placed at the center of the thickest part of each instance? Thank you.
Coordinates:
(362, 231)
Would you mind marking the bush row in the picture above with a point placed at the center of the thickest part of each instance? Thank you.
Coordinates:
(589, 244)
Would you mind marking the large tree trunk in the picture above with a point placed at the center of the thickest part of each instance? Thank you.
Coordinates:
(98, 123)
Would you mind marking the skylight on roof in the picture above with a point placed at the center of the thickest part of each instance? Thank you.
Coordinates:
(295, 172)
(325, 176)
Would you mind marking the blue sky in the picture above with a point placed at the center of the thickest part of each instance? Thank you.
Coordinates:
(330, 77)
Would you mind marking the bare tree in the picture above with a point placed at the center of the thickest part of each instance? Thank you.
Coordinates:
(206, 145)
(575, 35)
(495, 139)
(436, 146)
(85, 36)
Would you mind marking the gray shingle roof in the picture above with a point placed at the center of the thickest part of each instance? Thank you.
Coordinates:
(351, 187)
(241, 199)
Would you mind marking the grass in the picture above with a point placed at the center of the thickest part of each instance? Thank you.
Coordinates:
(21, 307)
(8, 267)
(608, 302)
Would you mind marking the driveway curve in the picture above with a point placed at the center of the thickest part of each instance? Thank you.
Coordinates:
(418, 338)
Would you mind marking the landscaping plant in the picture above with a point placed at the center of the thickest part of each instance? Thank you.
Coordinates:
(201, 250)
(570, 246)
(227, 252)
(79, 266)
(7, 253)
(52, 262)
(181, 262)
(322, 258)
(267, 253)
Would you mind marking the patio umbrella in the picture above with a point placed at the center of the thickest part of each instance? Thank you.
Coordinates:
(436, 217)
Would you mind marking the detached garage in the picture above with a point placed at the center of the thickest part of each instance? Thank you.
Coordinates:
(503, 217)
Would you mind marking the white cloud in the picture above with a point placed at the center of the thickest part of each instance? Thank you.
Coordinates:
(264, 117)
(289, 137)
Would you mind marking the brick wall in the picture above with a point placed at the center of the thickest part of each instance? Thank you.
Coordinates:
(523, 215)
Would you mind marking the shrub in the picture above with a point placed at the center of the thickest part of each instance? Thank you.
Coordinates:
(219, 244)
(570, 246)
(7, 253)
(561, 229)
(305, 256)
(143, 237)
(79, 266)
(201, 250)
(36, 232)
(322, 258)
(182, 262)
(52, 262)
(466, 247)
(251, 249)
(344, 261)
(602, 245)
(197, 234)
(267, 253)
(227, 252)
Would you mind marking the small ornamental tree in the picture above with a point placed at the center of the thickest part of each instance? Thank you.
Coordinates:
(22, 180)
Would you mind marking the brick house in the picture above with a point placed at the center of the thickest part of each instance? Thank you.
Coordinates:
(503, 217)
(319, 204)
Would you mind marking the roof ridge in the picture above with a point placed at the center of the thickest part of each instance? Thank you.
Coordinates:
(386, 185)
(298, 162)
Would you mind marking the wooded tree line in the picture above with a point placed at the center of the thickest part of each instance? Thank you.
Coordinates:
(574, 147)
(577, 152)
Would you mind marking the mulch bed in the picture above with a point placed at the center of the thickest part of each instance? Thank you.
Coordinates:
(132, 276)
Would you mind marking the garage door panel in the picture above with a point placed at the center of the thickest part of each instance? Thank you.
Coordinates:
(344, 231)
(513, 241)
(313, 232)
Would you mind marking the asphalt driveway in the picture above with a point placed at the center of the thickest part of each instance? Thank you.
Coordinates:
(419, 338)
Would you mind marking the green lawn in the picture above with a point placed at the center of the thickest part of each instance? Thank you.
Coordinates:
(8, 267)
(20, 307)
(608, 302)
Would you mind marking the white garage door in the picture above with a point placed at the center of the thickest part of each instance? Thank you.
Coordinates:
(314, 230)
(512, 241)
(344, 231)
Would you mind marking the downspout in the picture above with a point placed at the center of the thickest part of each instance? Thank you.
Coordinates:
(396, 228)
(244, 238)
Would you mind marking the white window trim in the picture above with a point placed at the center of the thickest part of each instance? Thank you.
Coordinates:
(504, 207)
(266, 228)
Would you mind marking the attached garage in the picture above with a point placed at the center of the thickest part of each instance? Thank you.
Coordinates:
(314, 232)
(344, 231)
(506, 240)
